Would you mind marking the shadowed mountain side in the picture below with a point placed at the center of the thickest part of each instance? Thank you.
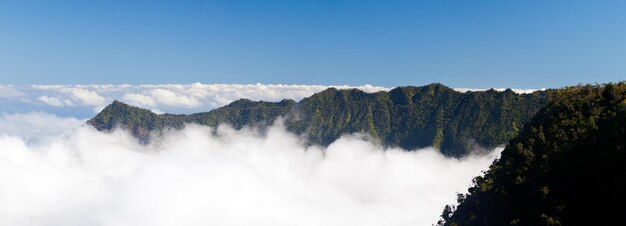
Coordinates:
(565, 168)
(408, 117)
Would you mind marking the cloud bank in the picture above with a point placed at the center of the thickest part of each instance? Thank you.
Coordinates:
(74, 175)
(177, 98)
(84, 100)
(37, 127)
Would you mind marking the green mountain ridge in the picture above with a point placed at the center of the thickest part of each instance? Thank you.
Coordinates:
(408, 117)
(566, 167)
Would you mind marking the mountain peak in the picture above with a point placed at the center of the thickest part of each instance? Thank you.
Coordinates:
(116, 106)
(120, 114)
(119, 103)
(243, 102)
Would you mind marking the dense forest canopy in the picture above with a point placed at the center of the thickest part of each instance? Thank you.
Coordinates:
(566, 167)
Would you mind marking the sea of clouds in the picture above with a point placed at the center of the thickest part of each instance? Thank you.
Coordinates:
(85, 100)
(57, 171)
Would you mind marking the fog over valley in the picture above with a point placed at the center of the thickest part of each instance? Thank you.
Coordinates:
(57, 171)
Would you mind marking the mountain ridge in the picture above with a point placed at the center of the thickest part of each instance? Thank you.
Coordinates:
(409, 117)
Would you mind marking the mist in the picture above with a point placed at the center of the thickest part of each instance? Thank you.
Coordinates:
(70, 174)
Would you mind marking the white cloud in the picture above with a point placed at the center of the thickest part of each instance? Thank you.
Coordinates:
(9, 91)
(52, 101)
(197, 177)
(184, 98)
(172, 98)
(139, 100)
(37, 126)
(176, 98)
(86, 97)
(66, 93)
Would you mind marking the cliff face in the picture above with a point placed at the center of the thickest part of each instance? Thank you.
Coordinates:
(408, 117)
(566, 167)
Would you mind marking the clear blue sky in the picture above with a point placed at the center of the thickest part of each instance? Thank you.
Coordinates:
(520, 44)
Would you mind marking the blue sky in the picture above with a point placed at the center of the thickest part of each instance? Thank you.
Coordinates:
(479, 44)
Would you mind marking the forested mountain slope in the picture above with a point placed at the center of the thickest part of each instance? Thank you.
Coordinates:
(565, 168)
(408, 117)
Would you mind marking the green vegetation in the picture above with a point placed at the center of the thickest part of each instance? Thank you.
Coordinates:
(408, 117)
(141, 122)
(566, 167)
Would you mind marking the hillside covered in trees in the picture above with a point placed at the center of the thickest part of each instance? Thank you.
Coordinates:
(566, 167)
(408, 117)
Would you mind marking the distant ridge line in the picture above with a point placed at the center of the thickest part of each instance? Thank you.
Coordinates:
(409, 117)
